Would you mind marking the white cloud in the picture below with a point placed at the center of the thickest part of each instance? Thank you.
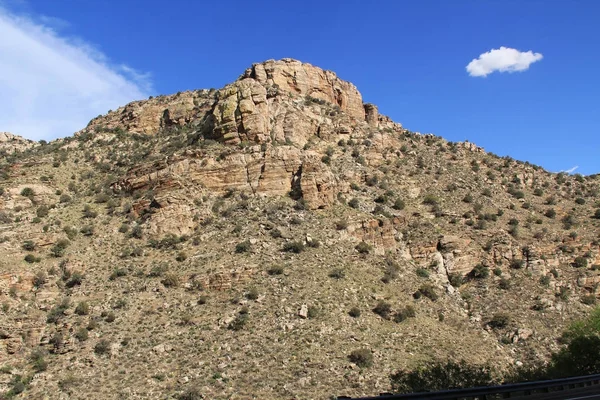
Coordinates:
(503, 59)
(571, 170)
(52, 86)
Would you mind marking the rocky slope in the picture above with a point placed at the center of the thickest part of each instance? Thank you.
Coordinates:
(243, 242)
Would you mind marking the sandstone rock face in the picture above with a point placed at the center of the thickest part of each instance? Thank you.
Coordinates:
(266, 171)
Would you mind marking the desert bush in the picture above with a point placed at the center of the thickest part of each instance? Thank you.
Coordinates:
(42, 211)
(75, 280)
(437, 376)
(117, 273)
(293, 247)
(354, 312)
(481, 271)
(422, 273)
(589, 299)
(431, 200)
(354, 203)
(27, 192)
(383, 309)
(57, 312)
(28, 245)
(82, 334)
(456, 279)
(239, 322)
(87, 230)
(580, 262)
(337, 273)
(403, 314)
(40, 279)
(275, 270)
(89, 212)
(363, 248)
(102, 347)
(83, 308)
(59, 248)
(499, 321)
(399, 204)
(362, 358)
(38, 362)
(504, 284)
(252, 294)
(30, 258)
(428, 291)
(170, 280)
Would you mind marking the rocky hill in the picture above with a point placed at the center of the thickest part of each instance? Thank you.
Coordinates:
(278, 238)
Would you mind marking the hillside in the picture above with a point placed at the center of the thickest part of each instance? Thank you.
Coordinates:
(243, 242)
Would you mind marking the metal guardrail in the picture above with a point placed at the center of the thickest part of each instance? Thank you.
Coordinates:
(540, 390)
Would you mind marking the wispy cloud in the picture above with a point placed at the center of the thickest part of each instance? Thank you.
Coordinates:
(503, 59)
(571, 170)
(53, 85)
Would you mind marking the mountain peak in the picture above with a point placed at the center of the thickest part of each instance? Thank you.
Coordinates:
(305, 79)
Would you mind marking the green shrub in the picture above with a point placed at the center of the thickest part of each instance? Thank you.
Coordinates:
(399, 204)
(83, 308)
(75, 280)
(87, 230)
(117, 273)
(170, 280)
(27, 192)
(82, 334)
(40, 279)
(37, 361)
(30, 258)
(239, 322)
(431, 200)
(337, 273)
(456, 279)
(403, 314)
(354, 312)
(589, 299)
(428, 291)
(363, 248)
(499, 321)
(275, 270)
(580, 262)
(293, 247)
(504, 284)
(102, 347)
(545, 280)
(59, 248)
(481, 271)
(383, 309)
(437, 376)
(252, 294)
(354, 203)
(28, 245)
(362, 358)
(550, 213)
(42, 211)
(422, 273)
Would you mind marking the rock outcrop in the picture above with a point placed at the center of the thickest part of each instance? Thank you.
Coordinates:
(10, 143)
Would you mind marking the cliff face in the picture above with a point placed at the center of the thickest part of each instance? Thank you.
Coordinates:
(239, 240)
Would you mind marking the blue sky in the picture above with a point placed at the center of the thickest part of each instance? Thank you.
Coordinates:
(409, 58)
